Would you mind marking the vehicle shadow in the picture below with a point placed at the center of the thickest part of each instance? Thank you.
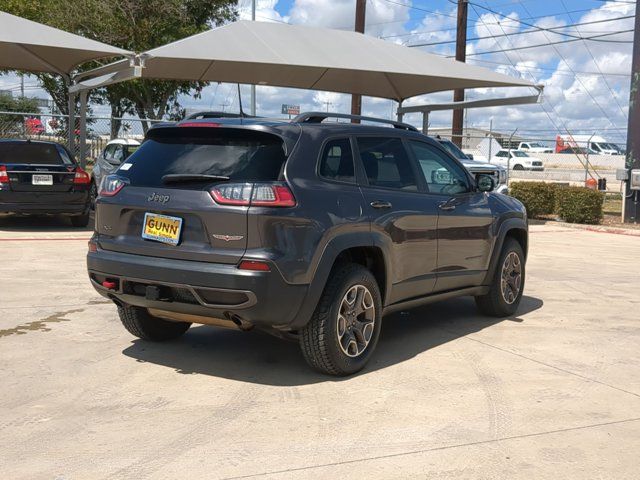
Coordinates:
(41, 223)
(257, 357)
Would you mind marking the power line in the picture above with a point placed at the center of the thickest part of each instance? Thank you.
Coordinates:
(420, 9)
(421, 32)
(531, 25)
(555, 70)
(595, 62)
(552, 30)
(560, 42)
(606, 115)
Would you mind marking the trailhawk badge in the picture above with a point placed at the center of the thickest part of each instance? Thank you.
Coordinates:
(227, 238)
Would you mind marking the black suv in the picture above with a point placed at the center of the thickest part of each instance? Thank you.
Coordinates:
(310, 230)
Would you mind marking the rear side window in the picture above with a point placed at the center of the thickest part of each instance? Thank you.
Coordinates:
(336, 162)
(241, 155)
(386, 163)
(29, 153)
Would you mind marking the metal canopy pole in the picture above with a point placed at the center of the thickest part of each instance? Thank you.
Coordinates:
(83, 128)
(83, 88)
(71, 122)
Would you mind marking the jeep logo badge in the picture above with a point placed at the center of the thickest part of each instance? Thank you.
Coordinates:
(155, 197)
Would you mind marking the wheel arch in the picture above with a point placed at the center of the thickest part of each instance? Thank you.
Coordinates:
(515, 228)
(362, 248)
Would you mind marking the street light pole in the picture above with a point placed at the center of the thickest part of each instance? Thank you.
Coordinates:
(631, 206)
(461, 54)
(253, 87)
(356, 99)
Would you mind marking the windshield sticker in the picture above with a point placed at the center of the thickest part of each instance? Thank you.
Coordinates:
(125, 166)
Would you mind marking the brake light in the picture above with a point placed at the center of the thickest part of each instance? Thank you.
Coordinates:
(199, 124)
(81, 177)
(4, 176)
(254, 265)
(255, 195)
(111, 185)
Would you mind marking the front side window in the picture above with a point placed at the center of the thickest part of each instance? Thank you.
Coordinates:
(336, 162)
(442, 174)
(386, 163)
(501, 154)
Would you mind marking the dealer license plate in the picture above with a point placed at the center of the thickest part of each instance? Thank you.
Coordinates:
(162, 228)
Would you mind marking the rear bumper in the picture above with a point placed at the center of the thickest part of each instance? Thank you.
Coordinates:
(56, 203)
(197, 288)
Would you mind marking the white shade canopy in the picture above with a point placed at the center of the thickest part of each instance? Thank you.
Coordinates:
(34, 47)
(304, 57)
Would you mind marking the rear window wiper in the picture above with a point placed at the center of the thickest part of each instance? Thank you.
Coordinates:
(191, 177)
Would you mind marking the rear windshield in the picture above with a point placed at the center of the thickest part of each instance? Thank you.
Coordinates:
(240, 155)
(29, 153)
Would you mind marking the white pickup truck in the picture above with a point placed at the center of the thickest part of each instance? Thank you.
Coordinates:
(534, 147)
(517, 160)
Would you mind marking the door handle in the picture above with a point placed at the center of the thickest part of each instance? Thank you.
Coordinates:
(447, 206)
(380, 204)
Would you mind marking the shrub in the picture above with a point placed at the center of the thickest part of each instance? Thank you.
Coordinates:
(539, 198)
(579, 205)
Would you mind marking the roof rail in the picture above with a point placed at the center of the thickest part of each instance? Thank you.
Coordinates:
(319, 117)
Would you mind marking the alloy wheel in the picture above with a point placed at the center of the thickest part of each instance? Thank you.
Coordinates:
(356, 320)
(511, 278)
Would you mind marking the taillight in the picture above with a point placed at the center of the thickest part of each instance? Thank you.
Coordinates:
(4, 176)
(255, 195)
(81, 177)
(111, 185)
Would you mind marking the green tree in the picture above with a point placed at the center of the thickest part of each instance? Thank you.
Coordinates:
(8, 103)
(136, 25)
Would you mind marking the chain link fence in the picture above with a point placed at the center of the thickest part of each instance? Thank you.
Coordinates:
(574, 167)
(100, 130)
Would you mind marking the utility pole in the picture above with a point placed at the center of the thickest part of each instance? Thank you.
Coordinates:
(253, 87)
(631, 205)
(21, 86)
(356, 99)
(461, 53)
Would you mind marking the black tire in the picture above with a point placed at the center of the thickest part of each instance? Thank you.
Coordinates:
(93, 194)
(141, 324)
(494, 303)
(319, 339)
(80, 220)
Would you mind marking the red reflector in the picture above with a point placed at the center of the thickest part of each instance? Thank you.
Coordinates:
(4, 176)
(254, 265)
(81, 177)
(199, 124)
(109, 284)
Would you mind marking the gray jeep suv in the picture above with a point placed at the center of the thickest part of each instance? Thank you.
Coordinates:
(307, 229)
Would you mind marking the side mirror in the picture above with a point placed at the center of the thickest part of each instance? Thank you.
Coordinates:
(469, 156)
(485, 183)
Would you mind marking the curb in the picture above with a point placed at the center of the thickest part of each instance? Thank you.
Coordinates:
(631, 232)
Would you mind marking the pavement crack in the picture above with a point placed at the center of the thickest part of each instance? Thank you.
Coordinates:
(435, 449)
(583, 377)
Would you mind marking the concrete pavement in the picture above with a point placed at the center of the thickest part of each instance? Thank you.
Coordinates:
(553, 392)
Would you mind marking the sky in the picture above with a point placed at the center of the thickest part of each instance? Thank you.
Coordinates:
(586, 82)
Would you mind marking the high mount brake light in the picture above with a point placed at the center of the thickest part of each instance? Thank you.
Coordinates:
(81, 177)
(111, 185)
(199, 124)
(4, 176)
(253, 194)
